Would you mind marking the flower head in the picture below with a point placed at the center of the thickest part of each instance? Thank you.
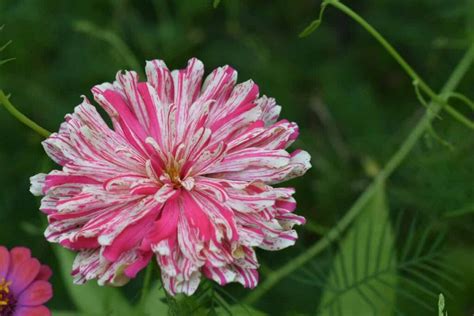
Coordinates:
(184, 175)
(24, 286)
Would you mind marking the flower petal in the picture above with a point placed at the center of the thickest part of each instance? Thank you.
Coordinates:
(4, 262)
(45, 273)
(39, 292)
(32, 311)
(23, 273)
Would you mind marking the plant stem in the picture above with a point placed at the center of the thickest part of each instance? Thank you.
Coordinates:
(146, 287)
(113, 40)
(402, 62)
(21, 117)
(389, 167)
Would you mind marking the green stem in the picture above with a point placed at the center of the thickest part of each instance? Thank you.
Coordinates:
(463, 98)
(402, 62)
(146, 287)
(21, 117)
(391, 165)
(113, 40)
(459, 117)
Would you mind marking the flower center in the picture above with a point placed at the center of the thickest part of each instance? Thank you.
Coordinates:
(172, 175)
(170, 168)
(7, 301)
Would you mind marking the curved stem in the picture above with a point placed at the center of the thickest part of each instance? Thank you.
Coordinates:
(463, 98)
(21, 117)
(113, 40)
(146, 286)
(397, 158)
(401, 61)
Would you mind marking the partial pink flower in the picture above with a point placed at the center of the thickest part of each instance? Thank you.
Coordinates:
(24, 286)
(183, 176)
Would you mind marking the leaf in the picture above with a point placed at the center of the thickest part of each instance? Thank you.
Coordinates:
(216, 3)
(367, 246)
(441, 305)
(154, 304)
(91, 298)
(470, 19)
(71, 313)
(3, 47)
(64, 313)
(239, 310)
(314, 24)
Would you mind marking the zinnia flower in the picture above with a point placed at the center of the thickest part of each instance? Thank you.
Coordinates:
(184, 175)
(24, 286)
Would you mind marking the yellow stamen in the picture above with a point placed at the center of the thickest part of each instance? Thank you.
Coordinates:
(4, 291)
(173, 170)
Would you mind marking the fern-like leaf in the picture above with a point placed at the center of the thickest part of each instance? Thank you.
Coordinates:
(368, 274)
(2, 48)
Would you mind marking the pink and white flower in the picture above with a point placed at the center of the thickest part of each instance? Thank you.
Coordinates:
(184, 176)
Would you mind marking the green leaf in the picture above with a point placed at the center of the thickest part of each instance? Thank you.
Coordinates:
(65, 313)
(239, 310)
(314, 24)
(91, 299)
(154, 304)
(216, 3)
(367, 248)
(441, 305)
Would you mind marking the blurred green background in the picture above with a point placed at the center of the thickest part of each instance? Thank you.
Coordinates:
(353, 103)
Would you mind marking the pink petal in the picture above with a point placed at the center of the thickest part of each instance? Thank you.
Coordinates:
(37, 293)
(251, 157)
(45, 273)
(4, 262)
(218, 85)
(196, 215)
(131, 236)
(160, 78)
(187, 84)
(176, 285)
(32, 311)
(165, 226)
(23, 273)
(129, 82)
(270, 111)
(222, 275)
(132, 270)
(19, 254)
(247, 277)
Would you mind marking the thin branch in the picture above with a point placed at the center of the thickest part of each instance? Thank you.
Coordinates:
(397, 158)
(21, 117)
(112, 39)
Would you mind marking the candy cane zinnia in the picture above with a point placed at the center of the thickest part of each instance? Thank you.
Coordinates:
(184, 176)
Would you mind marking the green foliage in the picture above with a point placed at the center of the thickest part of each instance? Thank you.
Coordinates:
(155, 303)
(3, 47)
(363, 277)
(216, 3)
(91, 299)
(368, 276)
(352, 103)
(116, 43)
(313, 26)
(441, 306)
(210, 300)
